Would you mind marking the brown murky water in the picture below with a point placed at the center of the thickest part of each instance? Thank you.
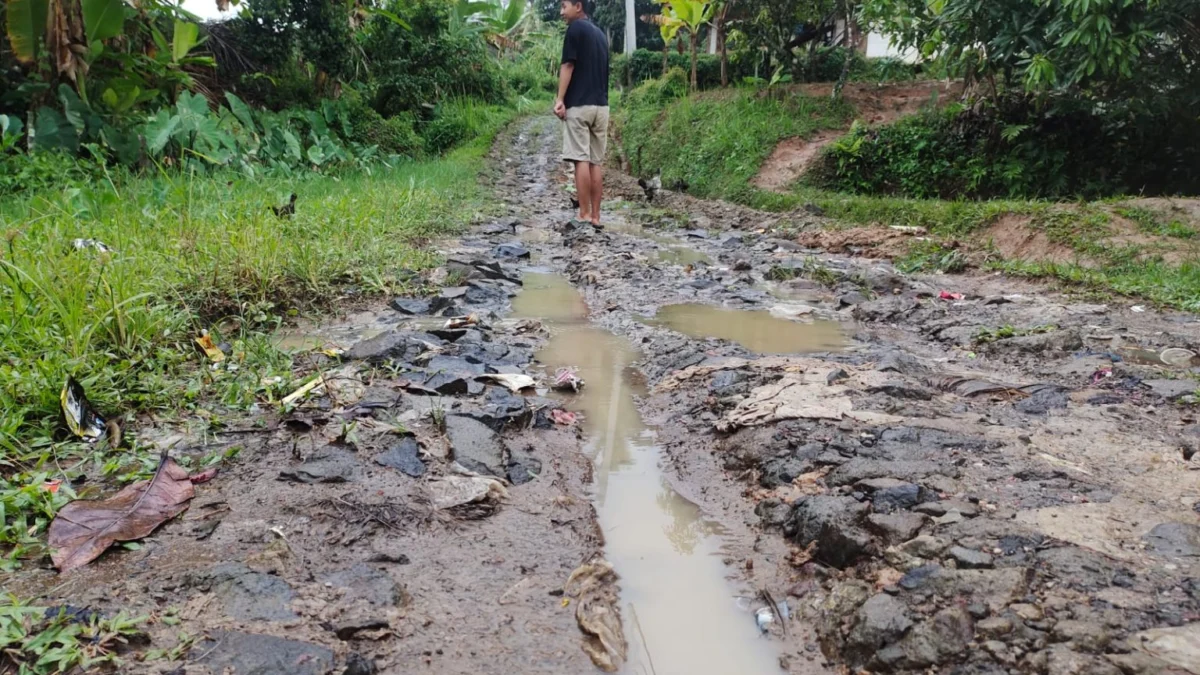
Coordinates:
(757, 331)
(679, 609)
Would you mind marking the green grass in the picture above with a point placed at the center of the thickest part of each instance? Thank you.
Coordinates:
(192, 253)
(43, 641)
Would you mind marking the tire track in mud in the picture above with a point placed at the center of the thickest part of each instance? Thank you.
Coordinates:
(975, 501)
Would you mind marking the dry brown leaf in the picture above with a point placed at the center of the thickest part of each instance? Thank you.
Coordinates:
(84, 529)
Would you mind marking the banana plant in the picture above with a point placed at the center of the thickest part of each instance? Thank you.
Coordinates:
(668, 27)
(502, 25)
(71, 32)
(694, 14)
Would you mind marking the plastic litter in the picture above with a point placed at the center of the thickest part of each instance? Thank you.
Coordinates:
(453, 491)
(81, 418)
(515, 382)
(82, 244)
(567, 379)
(947, 295)
(563, 417)
(210, 348)
(1177, 356)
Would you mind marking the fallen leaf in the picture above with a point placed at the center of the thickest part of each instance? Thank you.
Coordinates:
(84, 529)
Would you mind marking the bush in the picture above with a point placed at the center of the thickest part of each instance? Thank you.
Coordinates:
(647, 65)
(43, 169)
(1016, 149)
(824, 64)
(393, 135)
(458, 121)
(659, 91)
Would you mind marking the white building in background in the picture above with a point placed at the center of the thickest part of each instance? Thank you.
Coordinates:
(879, 46)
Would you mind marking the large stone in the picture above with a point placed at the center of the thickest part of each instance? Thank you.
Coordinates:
(778, 471)
(475, 445)
(1062, 660)
(513, 250)
(884, 309)
(361, 583)
(246, 595)
(1174, 539)
(925, 546)
(1179, 646)
(859, 469)
(897, 497)
(1171, 389)
(834, 523)
(328, 465)
(1087, 636)
(399, 345)
(1058, 341)
(895, 528)
(250, 654)
(880, 621)
(969, 559)
(943, 637)
(411, 305)
(404, 456)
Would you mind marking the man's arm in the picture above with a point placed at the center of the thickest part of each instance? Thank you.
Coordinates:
(564, 80)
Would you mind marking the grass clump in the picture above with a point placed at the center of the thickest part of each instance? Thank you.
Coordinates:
(932, 256)
(44, 641)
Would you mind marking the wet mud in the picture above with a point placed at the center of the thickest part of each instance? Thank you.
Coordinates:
(793, 460)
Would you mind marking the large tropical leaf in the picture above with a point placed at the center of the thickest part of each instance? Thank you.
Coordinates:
(514, 14)
(10, 131)
(242, 111)
(51, 131)
(158, 131)
(391, 17)
(103, 19)
(185, 38)
(26, 26)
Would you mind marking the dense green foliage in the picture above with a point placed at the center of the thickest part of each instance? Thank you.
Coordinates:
(647, 65)
(1011, 149)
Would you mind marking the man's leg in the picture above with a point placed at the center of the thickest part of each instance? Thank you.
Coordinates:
(597, 189)
(583, 189)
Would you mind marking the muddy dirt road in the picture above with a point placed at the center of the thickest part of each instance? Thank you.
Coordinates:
(780, 460)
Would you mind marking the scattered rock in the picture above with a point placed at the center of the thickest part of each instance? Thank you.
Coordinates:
(357, 664)
(970, 559)
(347, 627)
(328, 465)
(1171, 389)
(925, 546)
(881, 620)
(1174, 539)
(944, 636)
(361, 583)
(895, 528)
(1087, 636)
(994, 627)
(476, 447)
(850, 299)
(1179, 645)
(523, 468)
(411, 305)
(1043, 401)
(404, 456)
(1058, 341)
(884, 309)
(399, 345)
(250, 654)
(895, 497)
(834, 524)
(246, 595)
(859, 469)
(1027, 611)
(511, 250)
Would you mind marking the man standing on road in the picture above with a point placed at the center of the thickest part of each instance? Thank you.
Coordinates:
(582, 105)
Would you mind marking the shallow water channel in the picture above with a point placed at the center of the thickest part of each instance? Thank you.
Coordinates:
(679, 609)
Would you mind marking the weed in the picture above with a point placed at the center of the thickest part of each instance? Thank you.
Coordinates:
(986, 335)
(1151, 223)
(44, 641)
(808, 268)
(932, 256)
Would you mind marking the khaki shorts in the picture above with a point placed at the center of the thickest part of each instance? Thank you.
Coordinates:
(585, 134)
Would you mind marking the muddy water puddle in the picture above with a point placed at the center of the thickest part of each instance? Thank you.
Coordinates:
(755, 330)
(679, 608)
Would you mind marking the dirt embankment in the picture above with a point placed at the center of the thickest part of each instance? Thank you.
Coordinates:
(875, 103)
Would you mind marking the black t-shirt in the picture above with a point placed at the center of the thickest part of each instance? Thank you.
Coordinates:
(586, 46)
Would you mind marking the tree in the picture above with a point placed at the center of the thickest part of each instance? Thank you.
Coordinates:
(779, 26)
(668, 26)
(1102, 48)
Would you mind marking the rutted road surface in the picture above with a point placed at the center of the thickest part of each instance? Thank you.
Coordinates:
(780, 461)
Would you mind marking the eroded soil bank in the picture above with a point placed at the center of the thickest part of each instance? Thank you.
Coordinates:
(994, 479)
